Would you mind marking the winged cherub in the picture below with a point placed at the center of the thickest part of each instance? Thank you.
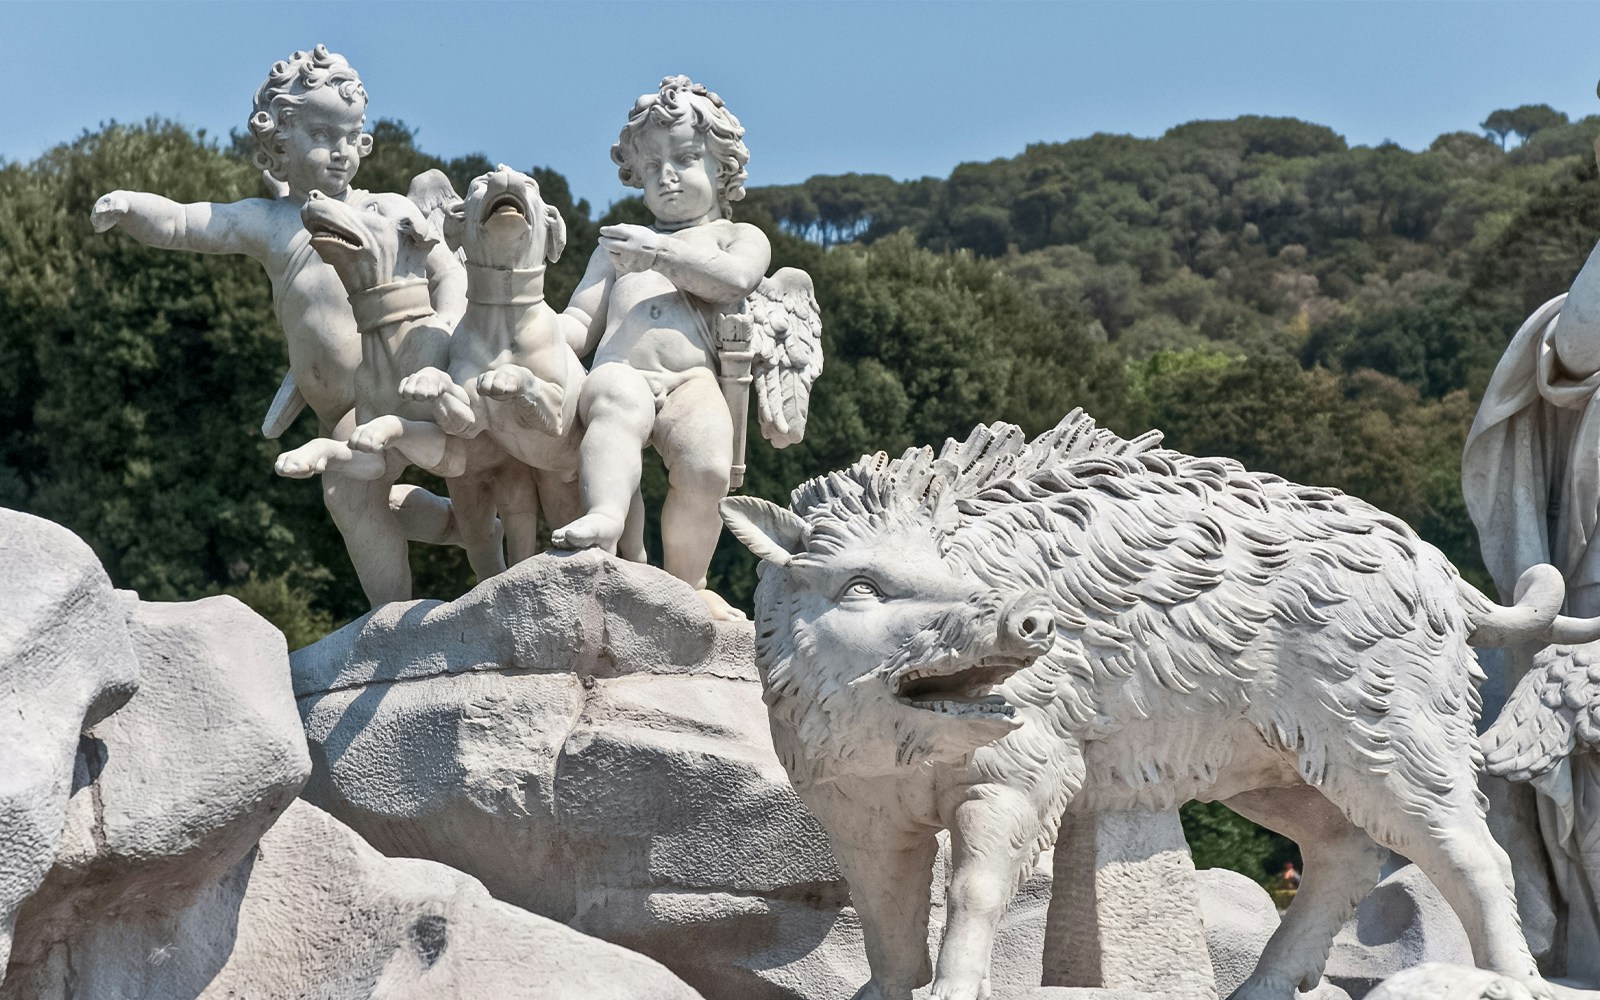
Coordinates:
(654, 306)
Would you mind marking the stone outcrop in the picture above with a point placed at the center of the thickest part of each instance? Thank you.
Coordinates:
(583, 738)
(312, 911)
(183, 867)
(66, 662)
(1403, 922)
(1443, 981)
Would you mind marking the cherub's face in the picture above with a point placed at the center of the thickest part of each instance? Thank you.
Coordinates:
(679, 174)
(323, 144)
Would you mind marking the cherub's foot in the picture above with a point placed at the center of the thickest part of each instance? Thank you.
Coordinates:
(308, 460)
(377, 434)
(591, 531)
(720, 609)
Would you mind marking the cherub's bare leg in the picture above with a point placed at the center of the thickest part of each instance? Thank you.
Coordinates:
(631, 547)
(321, 455)
(472, 496)
(618, 410)
(372, 534)
(695, 438)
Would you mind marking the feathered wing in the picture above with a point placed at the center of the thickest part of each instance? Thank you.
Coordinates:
(786, 339)
(1554, 711)
(432, 192)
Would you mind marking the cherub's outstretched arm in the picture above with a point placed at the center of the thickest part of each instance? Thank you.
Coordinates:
(722, 274)
(203, 227)
(584, 321)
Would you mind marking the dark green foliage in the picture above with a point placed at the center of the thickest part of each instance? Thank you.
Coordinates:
(1220, 838)
(1255, 287)
(135, 379)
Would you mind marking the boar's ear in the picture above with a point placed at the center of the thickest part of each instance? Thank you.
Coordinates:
(772, 533)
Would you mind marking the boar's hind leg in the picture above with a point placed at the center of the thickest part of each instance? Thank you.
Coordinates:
(890, 886)
(992, 839)
(1473, 873)
(1342, 864)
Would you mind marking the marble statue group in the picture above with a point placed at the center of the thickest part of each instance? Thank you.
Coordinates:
(419, 334)
(983, 653)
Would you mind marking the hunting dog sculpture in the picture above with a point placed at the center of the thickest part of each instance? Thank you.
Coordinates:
(380, 252)
(979, 641)
(502, 408)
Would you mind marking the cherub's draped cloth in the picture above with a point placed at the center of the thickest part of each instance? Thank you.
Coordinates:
(1531, 478)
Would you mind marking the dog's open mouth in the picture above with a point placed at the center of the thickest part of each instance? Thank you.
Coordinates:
(326, 232)
(505, 206)
(951, 688)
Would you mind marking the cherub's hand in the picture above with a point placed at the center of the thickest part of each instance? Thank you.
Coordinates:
(377, 434)
(632, 248)
(505, 382)
(109, 210)
(425, 386)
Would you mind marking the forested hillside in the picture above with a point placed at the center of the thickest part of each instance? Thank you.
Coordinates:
(1256, 288)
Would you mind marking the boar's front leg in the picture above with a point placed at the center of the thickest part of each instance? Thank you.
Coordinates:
(993, 838)
(890, 886)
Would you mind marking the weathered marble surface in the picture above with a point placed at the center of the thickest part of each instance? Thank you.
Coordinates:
(984, 638)
(66, 662)
(585, 739)
(184, 866)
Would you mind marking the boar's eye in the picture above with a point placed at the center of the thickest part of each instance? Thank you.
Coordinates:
(859, 588)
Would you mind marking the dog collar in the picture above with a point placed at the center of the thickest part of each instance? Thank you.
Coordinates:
(505, 286)
(395, 302)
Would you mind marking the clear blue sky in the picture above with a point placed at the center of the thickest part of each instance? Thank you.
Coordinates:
(903, 88)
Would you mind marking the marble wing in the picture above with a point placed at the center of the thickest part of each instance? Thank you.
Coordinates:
(786, 339)
(1553, 712)
(432, 192)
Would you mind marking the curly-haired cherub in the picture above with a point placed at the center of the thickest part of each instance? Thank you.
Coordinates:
(308, 125)
(647, 306)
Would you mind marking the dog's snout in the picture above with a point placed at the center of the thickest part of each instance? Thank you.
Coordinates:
(1027, 626)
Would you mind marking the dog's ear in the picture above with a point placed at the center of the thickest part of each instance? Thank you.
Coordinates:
(422, 233)
(453, 224)
(555, 234)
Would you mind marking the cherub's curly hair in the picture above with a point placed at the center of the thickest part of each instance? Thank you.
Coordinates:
(289, 83)
(681, 100)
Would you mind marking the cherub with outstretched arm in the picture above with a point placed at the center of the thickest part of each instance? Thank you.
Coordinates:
(647, 306)
(308, 123)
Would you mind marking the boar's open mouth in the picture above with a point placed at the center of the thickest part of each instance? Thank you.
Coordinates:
(950, 687)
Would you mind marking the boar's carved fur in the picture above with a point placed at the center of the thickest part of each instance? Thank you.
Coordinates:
(981, 640)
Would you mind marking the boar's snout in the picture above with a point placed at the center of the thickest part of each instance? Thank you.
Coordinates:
(1027, 626)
